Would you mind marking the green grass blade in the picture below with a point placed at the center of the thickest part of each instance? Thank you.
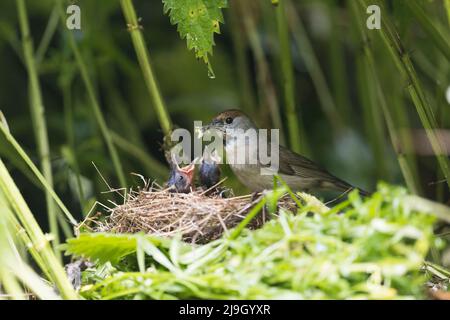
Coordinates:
(38, 118)
(421, 204)
(70, 136)
(288, 77)
(339, 79)
(408, 169)
(95, 105)
(49, 32)
(144, 61)
(39, 240)
(429, 26)
(447, 8)
(242, 63)
(10, 139)
(371, 112)
(21, 233)
(314, 68)
(153, 166)
(404, 65)
(249, 217)
(266, 89)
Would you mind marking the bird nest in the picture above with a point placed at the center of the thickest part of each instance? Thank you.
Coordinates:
(199, 216)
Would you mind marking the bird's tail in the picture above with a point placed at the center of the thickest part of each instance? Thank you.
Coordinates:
(346, 187)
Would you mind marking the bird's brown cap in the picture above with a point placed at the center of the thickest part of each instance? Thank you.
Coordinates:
(233, 113)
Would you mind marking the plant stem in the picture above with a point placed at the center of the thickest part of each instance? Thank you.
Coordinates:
(447, 8)
(21, 233)
(368, 96)
(404, 65)
(288, 78)
(10, 284)
(266, 89)
(65, 83)
(121, 109)
(50, 29)
(405, 166)
(312, 64)
(39, 240)
(101, 122)
(68, 118)
(153, 166)
(144, 61)
(26, 241)
(429, 26)
(242, 64)
(38, 118)
(401, 136)
(37, 173)
(339, 82)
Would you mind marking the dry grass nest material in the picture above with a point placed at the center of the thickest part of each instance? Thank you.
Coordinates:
(198, 216)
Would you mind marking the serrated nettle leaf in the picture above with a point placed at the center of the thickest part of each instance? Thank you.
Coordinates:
(104, 247)
(101, 247)
(197, 21)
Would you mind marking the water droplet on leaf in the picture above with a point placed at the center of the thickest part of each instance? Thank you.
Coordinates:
(211, 73)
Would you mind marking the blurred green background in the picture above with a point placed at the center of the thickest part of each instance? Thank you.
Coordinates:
(341, 120)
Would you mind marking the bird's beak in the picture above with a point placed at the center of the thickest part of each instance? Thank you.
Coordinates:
(189, 170)
(213, 125)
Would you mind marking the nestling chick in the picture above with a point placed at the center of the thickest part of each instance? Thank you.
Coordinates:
(181, 179)
(209, 171)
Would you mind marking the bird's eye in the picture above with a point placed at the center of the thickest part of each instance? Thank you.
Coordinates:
(180, 178)
(229, 120)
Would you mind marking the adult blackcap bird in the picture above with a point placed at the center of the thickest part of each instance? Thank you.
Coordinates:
(297, 171)
(181, 179)
(209, 171)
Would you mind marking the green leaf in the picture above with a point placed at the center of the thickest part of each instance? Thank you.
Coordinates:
(197, 21)
(104, 247)
(149, 248)
(373, 249)
(447, 7)
(7, 151)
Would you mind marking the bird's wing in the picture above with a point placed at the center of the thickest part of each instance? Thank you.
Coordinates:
(291, 163)
(294, 164)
